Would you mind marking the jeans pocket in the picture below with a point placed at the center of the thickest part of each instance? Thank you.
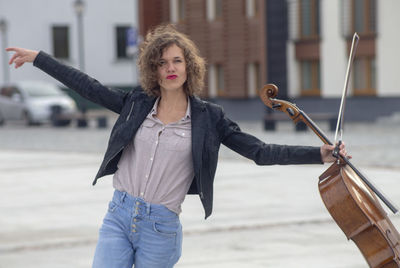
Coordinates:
(112, 206)
(169, 229)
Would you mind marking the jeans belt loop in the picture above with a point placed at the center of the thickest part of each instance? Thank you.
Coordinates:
(123, 197)
(148, 208)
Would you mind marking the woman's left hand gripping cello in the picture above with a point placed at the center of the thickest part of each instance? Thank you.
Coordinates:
(348, 195)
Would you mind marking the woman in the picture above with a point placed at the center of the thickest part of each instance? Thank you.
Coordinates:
(163, 146)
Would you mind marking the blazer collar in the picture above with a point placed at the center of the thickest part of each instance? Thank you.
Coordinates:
(141, 108)
(196, 104)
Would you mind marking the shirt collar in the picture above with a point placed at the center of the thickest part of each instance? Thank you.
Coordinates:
(188, 110)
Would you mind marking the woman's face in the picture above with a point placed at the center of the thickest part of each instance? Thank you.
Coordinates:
(172, 69)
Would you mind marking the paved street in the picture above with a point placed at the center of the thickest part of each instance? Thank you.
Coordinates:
(263, 216)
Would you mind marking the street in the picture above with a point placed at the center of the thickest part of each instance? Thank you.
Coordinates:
(263, 216)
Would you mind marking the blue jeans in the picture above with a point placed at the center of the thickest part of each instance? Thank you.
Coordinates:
(135, 232)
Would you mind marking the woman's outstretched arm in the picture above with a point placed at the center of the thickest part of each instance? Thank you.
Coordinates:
(74, 79)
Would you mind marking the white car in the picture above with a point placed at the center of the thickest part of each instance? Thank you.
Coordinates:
(35, 102)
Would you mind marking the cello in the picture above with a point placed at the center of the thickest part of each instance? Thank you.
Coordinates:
(350, 198)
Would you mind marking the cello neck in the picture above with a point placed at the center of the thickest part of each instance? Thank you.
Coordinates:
(308, 121)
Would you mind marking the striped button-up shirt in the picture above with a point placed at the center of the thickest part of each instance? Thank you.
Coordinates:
(157, 165)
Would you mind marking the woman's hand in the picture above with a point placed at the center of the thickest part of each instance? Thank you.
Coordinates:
(21, 56)
(327, 150)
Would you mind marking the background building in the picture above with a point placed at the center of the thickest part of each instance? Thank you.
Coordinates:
(230, 35)
(300, 45)
(53, 26)
(320, 34)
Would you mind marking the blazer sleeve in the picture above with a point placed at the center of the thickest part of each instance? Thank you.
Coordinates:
(80, 82)
(262, 153)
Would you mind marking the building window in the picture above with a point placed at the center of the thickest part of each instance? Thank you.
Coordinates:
(218, 9)
(60, 42)
(252, 8)
(122, 42)
(181, 9)
(310, 78)
(364, 74)
(309, 19)
(212, 84)
(214, 9)
(253, 79)
(177, 10)
(220, 75)
(216, 83)
(364, 16)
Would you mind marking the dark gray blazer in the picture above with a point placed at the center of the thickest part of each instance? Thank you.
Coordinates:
(210, 128)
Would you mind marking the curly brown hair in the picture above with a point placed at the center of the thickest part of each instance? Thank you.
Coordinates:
(150, 53)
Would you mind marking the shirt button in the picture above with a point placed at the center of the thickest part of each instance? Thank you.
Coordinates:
(183, 134)
(147, 176)
(151, 159)
(137, 203)
(141, 194)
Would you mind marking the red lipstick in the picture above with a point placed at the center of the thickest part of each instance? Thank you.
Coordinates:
(172, 77)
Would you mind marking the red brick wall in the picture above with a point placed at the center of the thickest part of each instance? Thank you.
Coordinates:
(233, 41)
(152, 13)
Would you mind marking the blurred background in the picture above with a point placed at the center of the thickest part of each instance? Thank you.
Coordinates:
(50, 213)
(300, 45)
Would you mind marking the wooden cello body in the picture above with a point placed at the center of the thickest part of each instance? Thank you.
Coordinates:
(357, 211)
(349, 197)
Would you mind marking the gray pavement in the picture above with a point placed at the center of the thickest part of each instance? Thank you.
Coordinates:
(263, 216)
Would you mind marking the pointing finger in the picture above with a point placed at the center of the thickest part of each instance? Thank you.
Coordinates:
(13, 58)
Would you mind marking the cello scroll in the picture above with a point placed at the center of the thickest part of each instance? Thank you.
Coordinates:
(268, 94)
